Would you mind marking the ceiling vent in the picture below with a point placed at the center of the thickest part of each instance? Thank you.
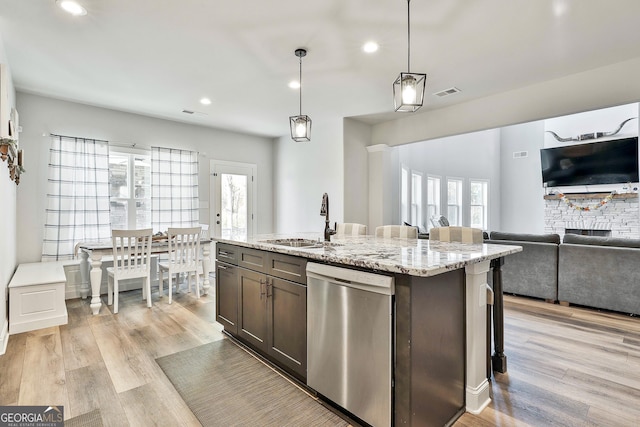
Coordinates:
(447, 92)
(520, 154)
(198, 113)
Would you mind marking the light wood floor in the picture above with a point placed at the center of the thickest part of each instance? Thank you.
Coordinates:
(567, 366)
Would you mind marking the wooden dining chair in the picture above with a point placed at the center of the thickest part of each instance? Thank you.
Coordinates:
(184, 257)
(131, 260)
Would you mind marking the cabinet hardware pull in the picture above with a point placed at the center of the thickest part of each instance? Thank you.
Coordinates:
(261, 292)
(225, 253)
(269, 286)
(222, 267)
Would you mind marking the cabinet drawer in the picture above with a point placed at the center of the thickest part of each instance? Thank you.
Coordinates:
(288, 267)
(227, 253)
(253, 259)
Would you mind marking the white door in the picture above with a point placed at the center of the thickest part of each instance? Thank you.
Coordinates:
(234, 198)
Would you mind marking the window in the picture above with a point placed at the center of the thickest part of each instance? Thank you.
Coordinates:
(129, 190)
(479, 196)
(404, 195)
(454, 201)
(416, 198)
(433, 197)
(77, 196)
(174, 188)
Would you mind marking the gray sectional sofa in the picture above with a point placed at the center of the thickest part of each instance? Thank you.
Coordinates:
(534, 271)
(600, 272)
(597, 272)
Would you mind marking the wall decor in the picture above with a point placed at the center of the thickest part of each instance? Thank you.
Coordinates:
(593, 135)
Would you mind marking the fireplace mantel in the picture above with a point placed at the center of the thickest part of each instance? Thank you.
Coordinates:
(592, 196)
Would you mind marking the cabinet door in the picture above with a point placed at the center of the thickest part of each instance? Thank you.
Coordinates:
(288, 324)
(288, 267)
(253, 259)
(227, 297)
(252, 316)
(227, 253)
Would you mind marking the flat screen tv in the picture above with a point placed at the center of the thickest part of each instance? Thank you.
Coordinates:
(606, 162)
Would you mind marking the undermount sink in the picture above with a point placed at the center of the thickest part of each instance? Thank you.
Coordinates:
(294, 243)
(300, 243)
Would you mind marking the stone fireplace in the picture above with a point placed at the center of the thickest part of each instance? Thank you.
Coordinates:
(620, 217)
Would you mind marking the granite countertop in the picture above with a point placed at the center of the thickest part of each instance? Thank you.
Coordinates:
(415, 257)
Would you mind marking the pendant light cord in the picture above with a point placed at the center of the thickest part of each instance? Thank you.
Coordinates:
(408, 37)
(300, 58)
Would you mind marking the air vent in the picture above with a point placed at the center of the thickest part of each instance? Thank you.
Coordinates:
(520, 154)
(447, 92)
(197, 113)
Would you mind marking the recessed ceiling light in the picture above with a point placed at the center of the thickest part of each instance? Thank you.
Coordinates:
(205, 101)
(294, 84)
(370, 47)
(72, 7)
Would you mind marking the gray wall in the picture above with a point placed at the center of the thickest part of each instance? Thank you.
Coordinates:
(356, 185)
(8, 241)
(40, 116)
(522, 207)
(303, 172)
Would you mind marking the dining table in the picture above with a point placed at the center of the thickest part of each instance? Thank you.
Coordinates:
(92, 253)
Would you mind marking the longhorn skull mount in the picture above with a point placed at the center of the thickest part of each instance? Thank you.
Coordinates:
(593, 135)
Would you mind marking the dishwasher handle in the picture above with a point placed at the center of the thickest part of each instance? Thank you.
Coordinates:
(363, 280)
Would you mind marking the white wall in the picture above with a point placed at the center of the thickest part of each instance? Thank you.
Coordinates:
(470, 156)
(8, 220)
(303, 172)
(608, 86)
(522, 207)
(41, 116)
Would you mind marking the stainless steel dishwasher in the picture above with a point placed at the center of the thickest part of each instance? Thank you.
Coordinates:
(349, 340)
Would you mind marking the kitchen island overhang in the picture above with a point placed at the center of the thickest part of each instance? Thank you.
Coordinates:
(440, 353)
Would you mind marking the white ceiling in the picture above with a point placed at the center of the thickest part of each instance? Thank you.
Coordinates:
(158, 57)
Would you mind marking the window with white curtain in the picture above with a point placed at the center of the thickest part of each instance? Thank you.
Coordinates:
(174, 188)
(433, 197)
(479, 206)
(130, 190)
(416, 198)
(77, 195)
(404, 194)
(454, 201)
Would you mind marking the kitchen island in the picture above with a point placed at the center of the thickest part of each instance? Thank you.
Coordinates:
(439, 318)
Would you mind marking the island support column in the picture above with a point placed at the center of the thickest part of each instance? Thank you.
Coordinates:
(477, 395)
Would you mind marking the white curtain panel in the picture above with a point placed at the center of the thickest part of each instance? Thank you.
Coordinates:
(77, 196)
(174, 188)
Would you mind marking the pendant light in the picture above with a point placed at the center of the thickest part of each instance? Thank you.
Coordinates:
(408, 88)
(300, 125)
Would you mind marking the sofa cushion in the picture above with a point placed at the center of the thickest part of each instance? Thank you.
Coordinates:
(522, 237)
(578, 239)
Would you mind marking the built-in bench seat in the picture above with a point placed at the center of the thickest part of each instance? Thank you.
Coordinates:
(37, 296)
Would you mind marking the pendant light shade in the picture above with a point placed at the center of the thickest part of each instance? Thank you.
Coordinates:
(300, 124)
(408, 88)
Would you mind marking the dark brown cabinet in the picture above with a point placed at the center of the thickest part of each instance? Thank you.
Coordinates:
(270, 304)
(252, 325)
(227, 296)
(227, 287)
(287, 324)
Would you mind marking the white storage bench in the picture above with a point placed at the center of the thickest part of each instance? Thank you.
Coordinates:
(36, 297)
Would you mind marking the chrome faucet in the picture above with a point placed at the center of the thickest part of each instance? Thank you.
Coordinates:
(324, 210)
